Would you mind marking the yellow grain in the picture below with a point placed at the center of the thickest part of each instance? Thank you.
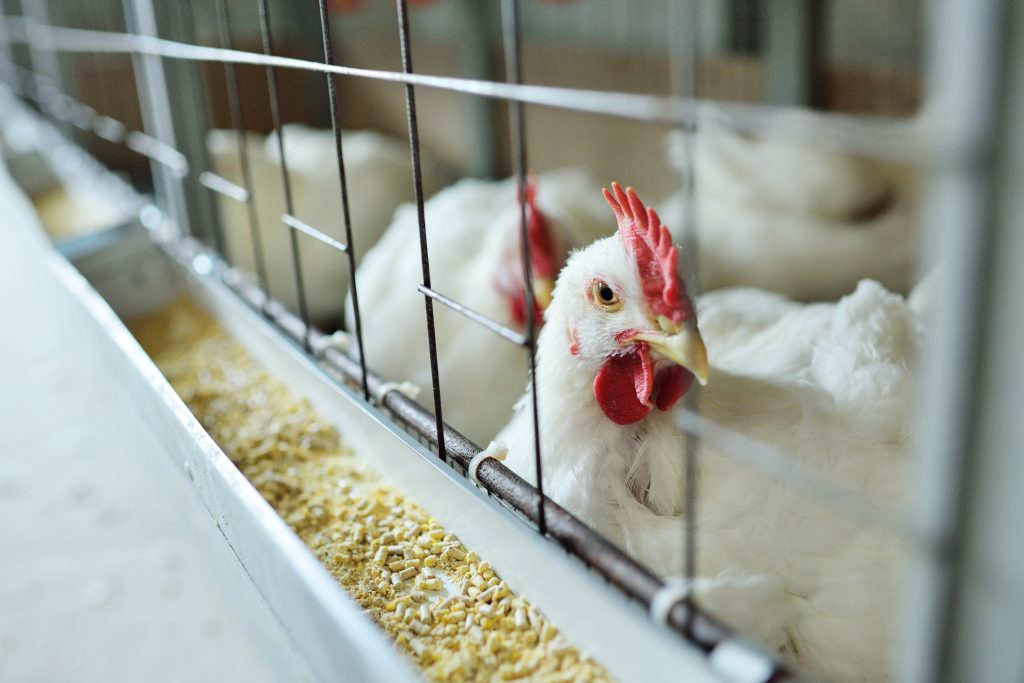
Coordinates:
(367, 534)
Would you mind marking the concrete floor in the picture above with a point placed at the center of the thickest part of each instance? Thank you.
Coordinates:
(110, 570)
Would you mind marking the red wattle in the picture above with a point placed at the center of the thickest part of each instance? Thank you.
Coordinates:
(626, 385)
(623, 386)
(672, 383)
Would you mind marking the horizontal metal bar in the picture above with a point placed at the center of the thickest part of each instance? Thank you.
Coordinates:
(104, 126)
(159, 152)
(74, 111)
(784, 468)
(493, 326)
(83, 116)
(882, 138)
(109, 128)
(293, 222)
(223, 186)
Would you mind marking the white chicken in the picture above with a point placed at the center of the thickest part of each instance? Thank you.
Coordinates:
(473, 230)
(798, 220)
(379, 181)
(827, 384)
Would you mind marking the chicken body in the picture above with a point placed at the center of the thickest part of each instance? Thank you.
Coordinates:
(827, 384)
(379, 180)
(805, 222)
(473, 230)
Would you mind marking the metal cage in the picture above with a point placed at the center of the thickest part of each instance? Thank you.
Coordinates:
(964, 595)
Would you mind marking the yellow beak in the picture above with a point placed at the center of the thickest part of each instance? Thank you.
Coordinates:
(683, 346)
(542, 290)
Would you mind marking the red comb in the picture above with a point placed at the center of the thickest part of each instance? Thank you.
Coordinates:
(543, 255)
(650, 244)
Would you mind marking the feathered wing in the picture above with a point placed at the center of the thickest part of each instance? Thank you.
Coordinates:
(813, 581)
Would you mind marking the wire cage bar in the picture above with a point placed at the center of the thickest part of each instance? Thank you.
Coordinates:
(877, 138)
(275, 115)
(417, 181)
(953, 631)
(225, 35)
(513, 62)
(550, 519)
(357, 327)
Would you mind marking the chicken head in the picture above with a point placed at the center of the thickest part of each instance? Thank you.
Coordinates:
(627, 316)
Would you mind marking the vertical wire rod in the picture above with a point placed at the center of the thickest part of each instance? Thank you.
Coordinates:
(332, 94)
(104, 125)
(153, 97)
(186, 28)
(513, 63)
(275, 113)
(971, 69)
(45, 66)
(234, 93)
(683, 18)
(417, 179)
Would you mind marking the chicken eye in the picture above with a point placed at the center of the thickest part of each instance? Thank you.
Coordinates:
(605, 296)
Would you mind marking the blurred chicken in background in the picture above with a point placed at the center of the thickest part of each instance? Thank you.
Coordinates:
(806, 222)
(379, 178)
(473, 229)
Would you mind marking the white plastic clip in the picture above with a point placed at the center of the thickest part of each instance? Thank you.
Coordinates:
(675, 590)
(407, 389)
(337, 340)
(741, 663)
(496, 450)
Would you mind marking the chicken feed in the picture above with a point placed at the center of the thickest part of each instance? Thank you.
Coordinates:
(442, 604)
